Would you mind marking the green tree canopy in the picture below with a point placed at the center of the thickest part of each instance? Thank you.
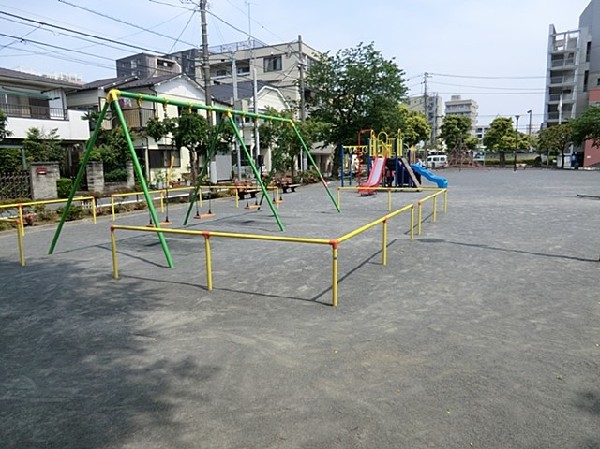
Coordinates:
(412, 124)
(587, 127)
(40, 146)
(355, 89)
(4, 131)
(555, 139)
(501, 138)
(455, 130)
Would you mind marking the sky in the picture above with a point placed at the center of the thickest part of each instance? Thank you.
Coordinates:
(493, 51)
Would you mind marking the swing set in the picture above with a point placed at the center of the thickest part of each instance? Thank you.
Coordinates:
(112, 100)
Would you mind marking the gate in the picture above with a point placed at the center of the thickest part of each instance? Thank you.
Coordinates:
(15, 184)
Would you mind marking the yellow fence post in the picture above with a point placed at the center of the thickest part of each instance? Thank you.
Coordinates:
(115, 264)
(389, 200)
(112, 207)
(445, 200)
(20, 242)
(412, 222)
(435, 207)
(21, 220)
(94, 209)
(237, 198)
(334, 272)
(339, 198)
(162, 202)
(209, 281)
(384, 243)
(419, 217)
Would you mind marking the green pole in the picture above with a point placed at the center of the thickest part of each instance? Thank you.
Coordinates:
(75, 186)
(138, 169)
(211, 151)
(312, 161)
(256, 173)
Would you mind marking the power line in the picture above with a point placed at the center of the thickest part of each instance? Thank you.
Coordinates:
(106, 16)
(255, 21)
(486, 87)
(80, 33)
(183, 30)
(486, 77)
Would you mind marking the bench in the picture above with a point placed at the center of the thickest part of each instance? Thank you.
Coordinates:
(243, 192)
(286, 184)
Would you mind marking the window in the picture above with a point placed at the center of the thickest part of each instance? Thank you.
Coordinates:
(221, 73)
(272, 64)
(586, 77)
(588, 50)
(162, 158)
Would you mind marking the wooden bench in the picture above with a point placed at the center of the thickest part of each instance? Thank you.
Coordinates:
(286, 184)
(243, 192)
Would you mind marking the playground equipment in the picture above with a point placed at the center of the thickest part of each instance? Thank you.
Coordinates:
(112, 101)
(396, 163)
(442, 183)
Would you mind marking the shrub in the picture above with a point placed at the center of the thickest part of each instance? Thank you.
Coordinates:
(44, 214)
(116, 175)
(75, 213)
(63, 187)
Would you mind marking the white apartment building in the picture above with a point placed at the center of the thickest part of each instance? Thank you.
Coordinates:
(464, 108)
(433, 111)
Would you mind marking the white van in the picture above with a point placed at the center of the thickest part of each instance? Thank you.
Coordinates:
(437, 161)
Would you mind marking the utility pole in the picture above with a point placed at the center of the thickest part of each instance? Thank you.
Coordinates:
(301, 87)
(205, 61)
(235, 106)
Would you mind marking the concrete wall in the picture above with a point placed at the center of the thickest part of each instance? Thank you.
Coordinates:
(95, 176)
(43, 180)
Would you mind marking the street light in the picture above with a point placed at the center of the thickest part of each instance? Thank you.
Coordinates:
(530, 112)
(516, 141)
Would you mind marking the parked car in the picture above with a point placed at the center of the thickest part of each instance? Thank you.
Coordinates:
(437, 161)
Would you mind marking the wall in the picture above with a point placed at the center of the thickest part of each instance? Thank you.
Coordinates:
(43, 180)
(75, 128)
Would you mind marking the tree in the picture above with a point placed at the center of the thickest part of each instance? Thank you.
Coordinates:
(587, 127)
(501, 138)
(40, 146)
(4, 131)
(555, 139)
(355, 89)
(413, 125)
(455, 131)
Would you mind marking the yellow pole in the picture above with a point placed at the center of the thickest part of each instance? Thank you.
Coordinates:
(112, 207)
(338, 198)
(94, 209)
(21, 220)
(420, 217)
(114, 253)
(445, 201)
(237, 198)
(389, 200)
(434, 208)
(334, 270)
(412, 223)
(20, 242)
(162, 203)
(384, 243)
(209, 282)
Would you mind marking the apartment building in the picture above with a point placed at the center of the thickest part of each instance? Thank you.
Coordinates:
(433, 111)
(146, 65)
(573, 72)
(464, 108)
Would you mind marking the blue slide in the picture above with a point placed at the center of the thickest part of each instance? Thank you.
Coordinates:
(442, 183)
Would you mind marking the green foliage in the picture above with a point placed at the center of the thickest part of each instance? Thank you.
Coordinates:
(353, 90)
(4, 131)
(10, 159)
(116, 175)
(413, 125)
(587, 127)
(43, 147)
(555, 139)
(455, 130)
(75, 213)
(63, 187)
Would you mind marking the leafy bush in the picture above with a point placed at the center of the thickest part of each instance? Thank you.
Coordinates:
(44, 214)
(116, 175)
(75, 213)
(63, 187)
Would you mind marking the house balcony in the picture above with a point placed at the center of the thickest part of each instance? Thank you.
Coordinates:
(34, 112)
(136, 118)
(562, 80)
(71, 125)
(566, 98)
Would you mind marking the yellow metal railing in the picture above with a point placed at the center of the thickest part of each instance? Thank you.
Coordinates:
(20, 206)
(389, 191)
(432, 197)
(138, 200)
(19, 229)
(207, 235)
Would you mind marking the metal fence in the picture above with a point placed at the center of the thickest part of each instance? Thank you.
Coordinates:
(15, 185)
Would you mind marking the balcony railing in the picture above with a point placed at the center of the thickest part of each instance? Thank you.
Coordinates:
(566, 98)
(135, 118)
(563, 62)
(34, 112)
(562, 80)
